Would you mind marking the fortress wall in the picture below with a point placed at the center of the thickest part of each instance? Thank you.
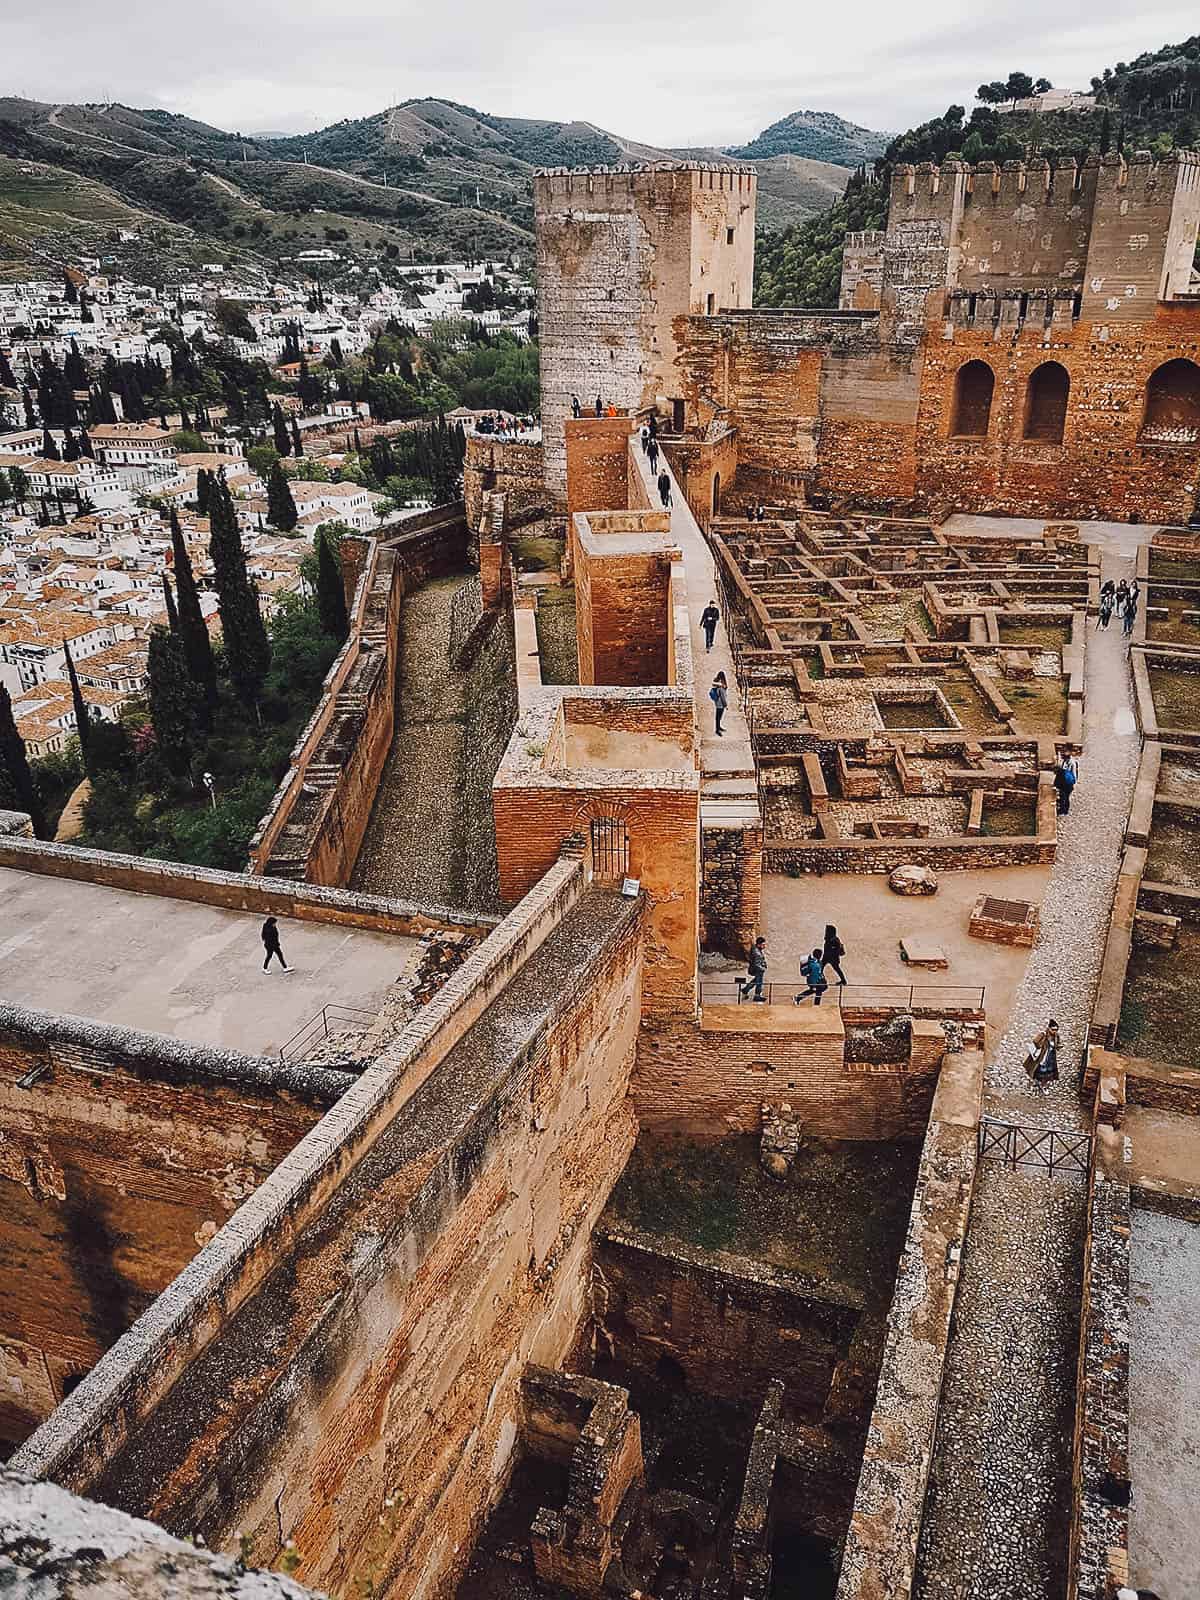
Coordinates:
(506, 467)
(362, 1399)
(236, 891)
(1100, 469)
(1026, 226)
(117, 1164)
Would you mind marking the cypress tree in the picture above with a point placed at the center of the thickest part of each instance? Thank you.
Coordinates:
(281, 507)
(203, 492)
(185, 422)
(14, 767)
(85, 445)
(247, 648)
(83, 721)
(192, 629)
(169, 602)
(175, 708)
(50, 451)
(279, 429)
(331, 591)
(297, 441)
(27, 406)
(8, 378)
(71, 450)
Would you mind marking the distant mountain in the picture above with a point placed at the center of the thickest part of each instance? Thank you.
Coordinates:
(427, 176)
(819, 135)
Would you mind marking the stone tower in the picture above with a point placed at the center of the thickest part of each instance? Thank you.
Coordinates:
(621, 253)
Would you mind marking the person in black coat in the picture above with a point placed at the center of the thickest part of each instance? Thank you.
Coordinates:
(270, 939)
(664, 487)
(832, 952)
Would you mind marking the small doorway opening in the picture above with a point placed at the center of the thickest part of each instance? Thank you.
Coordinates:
(610, 848)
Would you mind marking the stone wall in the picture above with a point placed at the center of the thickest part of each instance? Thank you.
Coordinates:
(120, 1156)
(597, 463)
(730, 885)
(710, 1079)
(236, 891)
(731, 1325)
(881, 1544)
(501, 466)
(1099, 1550)
(341, 1367)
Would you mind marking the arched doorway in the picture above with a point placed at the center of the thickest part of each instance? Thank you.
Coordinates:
(1046, 399)
(974, 385)
(716, 494)
(609, 840)
(1172, 413)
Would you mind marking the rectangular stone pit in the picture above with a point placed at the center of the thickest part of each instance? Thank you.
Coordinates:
(1004, 921)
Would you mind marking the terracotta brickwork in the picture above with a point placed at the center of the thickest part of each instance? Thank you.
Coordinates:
(116, 1166)
(597, 463)
(624, 608)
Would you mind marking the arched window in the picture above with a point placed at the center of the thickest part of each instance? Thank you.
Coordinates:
(1173, 404)
(716, 493)
(972, 400)
(1046, 402)
(610, 847)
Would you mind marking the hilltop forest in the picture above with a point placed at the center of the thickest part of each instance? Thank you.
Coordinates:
(1151, 103)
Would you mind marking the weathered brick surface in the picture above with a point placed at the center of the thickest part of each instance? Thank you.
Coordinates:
(501, 466)
(621, 253)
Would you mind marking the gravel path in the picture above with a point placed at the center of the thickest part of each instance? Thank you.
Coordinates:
(414, 846)
(996, 1515)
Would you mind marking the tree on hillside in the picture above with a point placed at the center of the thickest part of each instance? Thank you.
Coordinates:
(193, 631)
(281, 507)
(1042, 86)
(247, 648)
(203, 492)
(992, 94)
(50, 451)
(279, 430)
(17, 788)
(175, 703)
(169, 602)
(331, 591)
(297, 441)
(1018, 87)
(83, 720)
(8, 378)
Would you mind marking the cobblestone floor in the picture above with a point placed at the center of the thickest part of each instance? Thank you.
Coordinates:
(414, 846)
(999, 1485)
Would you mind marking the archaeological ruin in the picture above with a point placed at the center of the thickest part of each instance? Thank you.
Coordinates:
(539, 1239)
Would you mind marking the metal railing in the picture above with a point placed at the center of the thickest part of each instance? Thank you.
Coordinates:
(330, 1020)
(940, 997)
(1046, 1150)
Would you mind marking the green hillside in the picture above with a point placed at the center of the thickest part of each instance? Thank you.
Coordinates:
(820, 135)
(1152, 102)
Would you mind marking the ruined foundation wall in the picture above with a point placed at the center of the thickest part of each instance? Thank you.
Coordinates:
(121, 1159)
(491, 715)
(502, 466)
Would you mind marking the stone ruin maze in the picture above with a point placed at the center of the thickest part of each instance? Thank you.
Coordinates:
(512, 1247)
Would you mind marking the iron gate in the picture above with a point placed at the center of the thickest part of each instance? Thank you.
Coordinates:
(610, 848)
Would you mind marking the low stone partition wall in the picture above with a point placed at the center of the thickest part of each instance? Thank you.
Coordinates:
(511, 467)
(881, 1543)
(339, 1370)
(882, 855)
(236, 891)
(1098, 1563)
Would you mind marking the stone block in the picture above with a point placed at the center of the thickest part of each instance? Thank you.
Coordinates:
(912, 880)
(1013, 922)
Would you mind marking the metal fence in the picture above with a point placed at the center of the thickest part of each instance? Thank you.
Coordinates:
(330, 1020)
(1046, 1150)
(939, 997)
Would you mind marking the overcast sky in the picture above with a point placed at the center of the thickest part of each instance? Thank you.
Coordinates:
(664, 72)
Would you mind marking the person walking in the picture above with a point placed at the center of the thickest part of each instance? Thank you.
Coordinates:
(1064, 782)
(664, 488)
(832, 952)
(709, 618)
(652, 455)
(270, 939)
(1121, 596)
(1130, 617)
(599, 407)
(644, 436)
(1106, 609)
(719, 695)
(813, 973)
(576, 408)
(756, 971)
(1041, 1060)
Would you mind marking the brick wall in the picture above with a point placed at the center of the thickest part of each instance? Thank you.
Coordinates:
(116, 1165)
(708, 1080)
(501, 466)
(731, 886)
(597, 463)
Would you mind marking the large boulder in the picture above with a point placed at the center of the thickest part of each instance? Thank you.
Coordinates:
(912, 880)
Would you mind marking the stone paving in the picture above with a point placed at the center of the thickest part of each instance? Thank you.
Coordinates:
(999, 1487)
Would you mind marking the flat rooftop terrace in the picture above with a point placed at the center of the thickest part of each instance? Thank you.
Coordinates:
(175, 967)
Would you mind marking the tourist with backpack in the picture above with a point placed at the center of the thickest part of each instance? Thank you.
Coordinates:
(1066, 775)
(756, 970)
(832, 952)
(812, 971)
(719, 695)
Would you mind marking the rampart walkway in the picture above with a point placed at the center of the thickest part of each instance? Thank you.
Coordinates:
(179, 968)
(999, 1499)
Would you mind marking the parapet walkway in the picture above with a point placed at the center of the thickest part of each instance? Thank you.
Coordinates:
(728, 783)
(998, 1508)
